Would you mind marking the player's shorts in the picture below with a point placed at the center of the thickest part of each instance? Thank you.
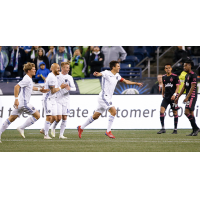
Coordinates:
(50, 107)
(63, 109)
(190, 104)
(166, 102)
(103, 105)
(28, 109)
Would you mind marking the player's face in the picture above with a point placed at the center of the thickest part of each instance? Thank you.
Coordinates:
(117, 68)
(187, 67)
(66, 69)
(57, 70)
(32, 71)
(168, 69)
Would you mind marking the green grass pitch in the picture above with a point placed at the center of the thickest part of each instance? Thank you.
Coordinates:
(96, 141)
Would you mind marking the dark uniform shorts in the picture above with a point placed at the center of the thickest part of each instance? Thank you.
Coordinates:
(190, 104)
(166, 102)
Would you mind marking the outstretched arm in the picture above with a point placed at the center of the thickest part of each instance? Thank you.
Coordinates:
(41, 89)
(97, 74)
(132, 83)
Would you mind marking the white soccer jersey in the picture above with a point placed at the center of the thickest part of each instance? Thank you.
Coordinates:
(26, 85)
(51, 80)
(109, 82)
(63, 95)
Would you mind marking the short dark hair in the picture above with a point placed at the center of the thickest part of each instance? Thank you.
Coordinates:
(189, 62)
(113, 64)
(168, 64)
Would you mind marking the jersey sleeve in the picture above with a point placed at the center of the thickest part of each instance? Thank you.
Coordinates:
(120, 78)
(72, 85)
(52, 82)
(104, 73)
(194, 78)
(23, 83)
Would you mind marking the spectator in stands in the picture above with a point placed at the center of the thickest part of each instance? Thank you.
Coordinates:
(42, 73)
(17, 60)
(41, 58)
(157, 88)
(88, 53)
(96, 60)
(46, 49)
(78, 65)
(3, 61)
(113, 53)
(180, 53)
(33, 53)
(26, 48)
(50, 54)
(7, 49)
(61, 56)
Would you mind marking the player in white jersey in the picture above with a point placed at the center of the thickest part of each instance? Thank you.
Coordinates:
(21, 103)
(49, 99)
(109, 82)
(63, 99)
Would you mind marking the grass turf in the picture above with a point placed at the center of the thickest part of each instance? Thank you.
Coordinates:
(96, 141)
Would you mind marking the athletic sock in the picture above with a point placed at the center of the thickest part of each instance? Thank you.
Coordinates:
(88, 121)
(192, 121)
(110, 122)
(54, 124)
(162, 116)
(175, 122)
(5, 126)
(46, 127)
(31, 120)
(62, 127)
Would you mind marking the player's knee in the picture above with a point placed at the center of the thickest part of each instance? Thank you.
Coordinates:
(64, 117)
(58, 119)
(114, 112)
(186, 113)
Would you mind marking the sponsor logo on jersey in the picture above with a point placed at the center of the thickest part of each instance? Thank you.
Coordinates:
(169, 85)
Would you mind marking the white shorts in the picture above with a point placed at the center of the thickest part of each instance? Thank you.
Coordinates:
(103, 105)
(50, 107)
(28, 109)
(63, 109)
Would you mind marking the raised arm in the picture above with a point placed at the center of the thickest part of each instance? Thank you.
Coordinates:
(97, 74)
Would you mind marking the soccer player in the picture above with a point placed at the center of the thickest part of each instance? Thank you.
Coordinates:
(109, 82)
(21, 103)
(63, 99)
(170, 89)
(191, 96)
(49, 99)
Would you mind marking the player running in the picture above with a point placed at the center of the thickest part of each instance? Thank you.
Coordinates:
(170, 89)
(63, 99)
(109, 82)
(21, 103)
(191, 96)
(49, 99)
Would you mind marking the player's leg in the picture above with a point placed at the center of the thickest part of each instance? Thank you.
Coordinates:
(54, 119)
(89, 120)
(163, 107)
(62, 127)
(7, 122)
(29, 109)
(175, 112)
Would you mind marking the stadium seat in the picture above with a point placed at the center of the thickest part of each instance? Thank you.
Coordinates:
(140, 56)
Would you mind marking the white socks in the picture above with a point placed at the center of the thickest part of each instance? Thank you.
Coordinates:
(5, 126)
(54, 124)
(110, 122)
(31, 120)
(62, 127)
(46, 127)
(88, 121)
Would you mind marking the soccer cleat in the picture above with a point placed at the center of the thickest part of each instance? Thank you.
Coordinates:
(110, 135)
(46, 137)
(21, 131)
(80, 131)
(195, 132)
(42, 131)
(161, 131)
(53, 132)
(174, 132)
(190, 134)
(62, 137)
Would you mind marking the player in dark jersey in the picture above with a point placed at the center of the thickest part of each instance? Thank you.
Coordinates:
(170, 89)
(191, 96)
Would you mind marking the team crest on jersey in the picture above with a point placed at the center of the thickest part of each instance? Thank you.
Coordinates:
(188, 78)
(117, 77)
(49, 111)
(171, 79)
(33, 108)
(66, 80)
(110, 103)
(194, 79)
